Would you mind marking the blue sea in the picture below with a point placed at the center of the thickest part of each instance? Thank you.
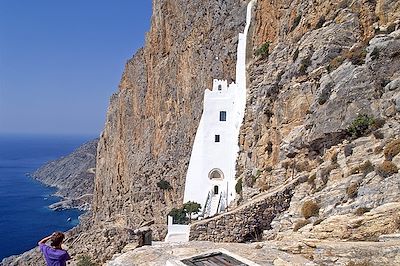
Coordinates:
(24, 214)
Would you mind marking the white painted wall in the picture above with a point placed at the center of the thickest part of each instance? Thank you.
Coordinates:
(177, 232)
(206, 153)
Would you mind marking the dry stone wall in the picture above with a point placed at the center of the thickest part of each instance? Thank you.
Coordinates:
(247, 222)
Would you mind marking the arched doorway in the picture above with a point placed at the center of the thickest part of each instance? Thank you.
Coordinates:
(216, 174)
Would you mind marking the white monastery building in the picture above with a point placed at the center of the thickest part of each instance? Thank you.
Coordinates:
(210, 179)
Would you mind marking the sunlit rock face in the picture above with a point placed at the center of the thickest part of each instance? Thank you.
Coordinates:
(152, 119)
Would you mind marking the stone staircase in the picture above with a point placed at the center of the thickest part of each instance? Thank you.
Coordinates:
(214, 205)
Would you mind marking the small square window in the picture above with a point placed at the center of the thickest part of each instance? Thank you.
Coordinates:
(216, 138)
(222, 116)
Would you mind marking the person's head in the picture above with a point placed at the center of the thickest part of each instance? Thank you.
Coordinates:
(57, 238)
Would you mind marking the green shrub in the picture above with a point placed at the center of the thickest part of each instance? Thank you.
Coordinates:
(386, 169)
(191, 207)
(309, 209)
(163, 184)
(263, 51)
(239, 186)
(361, 125)
(178, 215)
(392, 149)
(85, 260)
(352, 190)
(300, 224)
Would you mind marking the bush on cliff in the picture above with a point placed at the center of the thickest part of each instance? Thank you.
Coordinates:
(360, 126)
(386, 169)
(164, 185)
(352, 190)
(263, 51)
(309, 209)
(392, 149)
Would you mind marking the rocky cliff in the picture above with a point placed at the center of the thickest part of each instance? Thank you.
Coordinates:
(152, 119)
(323, 106)
(322, 116)
(73, 176)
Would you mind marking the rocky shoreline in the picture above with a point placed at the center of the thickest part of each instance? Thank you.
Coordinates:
(72, 176)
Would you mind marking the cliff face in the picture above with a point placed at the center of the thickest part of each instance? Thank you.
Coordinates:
(328, 62)
(152, 119)
(319, 75)
(323, 107)
(72, 175)
(322, 117)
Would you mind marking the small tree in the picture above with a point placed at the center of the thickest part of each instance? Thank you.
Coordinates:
(163, 184)
(191, 207)
(178, 215)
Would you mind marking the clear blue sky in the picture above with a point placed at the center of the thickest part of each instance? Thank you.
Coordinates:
(60, 61)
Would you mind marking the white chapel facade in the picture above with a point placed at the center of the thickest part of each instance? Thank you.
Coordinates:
(210, 179)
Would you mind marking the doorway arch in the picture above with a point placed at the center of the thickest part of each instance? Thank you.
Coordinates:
(216, 173)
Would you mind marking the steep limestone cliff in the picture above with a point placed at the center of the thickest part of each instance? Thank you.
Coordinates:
(152, 119)
(328, 63)
(323, 106)
(322, 116)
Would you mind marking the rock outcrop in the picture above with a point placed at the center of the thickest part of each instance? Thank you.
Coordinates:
(73, 176)
(152, 119)
(323, 107)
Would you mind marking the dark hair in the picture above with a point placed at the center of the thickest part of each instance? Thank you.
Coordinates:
(57, 239)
